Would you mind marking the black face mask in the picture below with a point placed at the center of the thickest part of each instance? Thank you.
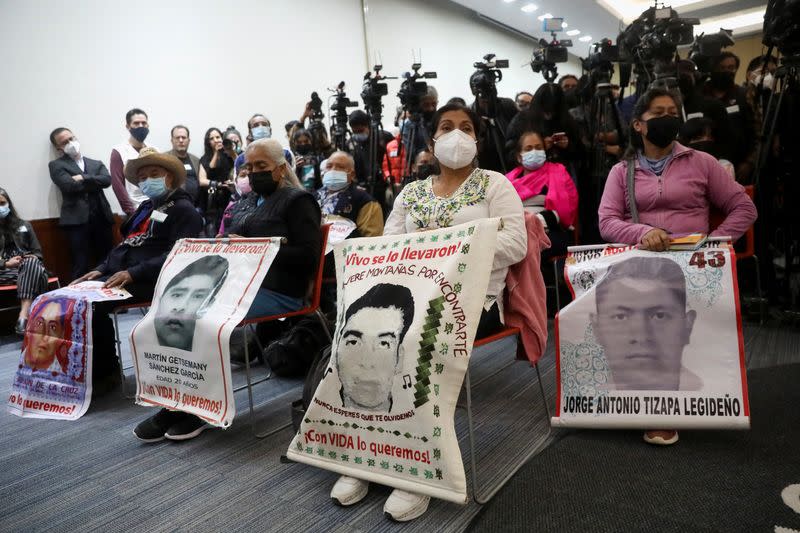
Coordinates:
(424, 170)
(722, 80)
(708, 147)
(571, 98)
(263, 183)
(303, 149)
(140, 134)
(661, 131)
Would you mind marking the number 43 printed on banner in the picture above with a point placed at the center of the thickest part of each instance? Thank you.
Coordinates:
(712, 259)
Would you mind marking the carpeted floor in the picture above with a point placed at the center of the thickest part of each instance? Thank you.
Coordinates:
(92, 474)
(709, 481)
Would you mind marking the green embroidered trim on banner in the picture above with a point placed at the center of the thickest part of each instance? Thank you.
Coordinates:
(427, 346)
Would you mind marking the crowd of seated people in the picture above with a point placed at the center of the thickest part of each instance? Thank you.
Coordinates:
(255, 187)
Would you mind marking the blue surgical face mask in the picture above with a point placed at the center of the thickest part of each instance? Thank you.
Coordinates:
(4, 211)
(261, 132)
(154, 187)
(534, 159)
(334, 180)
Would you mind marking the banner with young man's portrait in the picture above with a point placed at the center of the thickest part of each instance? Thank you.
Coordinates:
(54, 376)
(408, 309)
(181, 348)
(651, 340)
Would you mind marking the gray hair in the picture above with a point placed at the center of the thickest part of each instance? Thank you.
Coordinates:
(432, 93)
(347, 155)
(274, 151)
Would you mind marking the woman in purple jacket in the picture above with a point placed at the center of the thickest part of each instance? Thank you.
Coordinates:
(674, 186)
(674, 190)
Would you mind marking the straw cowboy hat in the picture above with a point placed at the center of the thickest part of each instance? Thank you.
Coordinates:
(151, 156)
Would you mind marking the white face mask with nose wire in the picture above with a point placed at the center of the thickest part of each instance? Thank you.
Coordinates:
(455, 149)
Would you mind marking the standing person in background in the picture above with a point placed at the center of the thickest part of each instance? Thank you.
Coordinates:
(306, 161)
(129, 195)
(20, 259)
(216, 167)
(86, 217)
(722, 86)
(179, 136)
(233, 136)
(259, 127)
(523, 100)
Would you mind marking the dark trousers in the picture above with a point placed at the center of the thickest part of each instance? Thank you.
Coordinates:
(104, 347)
(93, 239)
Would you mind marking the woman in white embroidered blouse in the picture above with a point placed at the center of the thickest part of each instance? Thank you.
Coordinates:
(460, 193)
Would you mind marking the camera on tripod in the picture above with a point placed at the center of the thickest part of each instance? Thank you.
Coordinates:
(483, 82)
(316, 107)
(549, 53)
(781, 29)
(706, 47)
(373, 90)
(342, 101)
(412, 90)
(655, 35)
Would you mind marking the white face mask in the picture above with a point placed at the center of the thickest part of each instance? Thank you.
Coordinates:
(769, 81)
(72, 148)
(455, 149)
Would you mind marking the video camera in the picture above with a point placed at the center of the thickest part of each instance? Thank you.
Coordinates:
(411, 90)
(373, 90)
(316, 107)
(483, 82)
(545, 57)
(706, 47)
(655, 35)
(781, 26)
(342, 101)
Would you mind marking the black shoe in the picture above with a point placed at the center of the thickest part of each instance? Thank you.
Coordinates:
(187, 428)
(22, 323)
(154, 428)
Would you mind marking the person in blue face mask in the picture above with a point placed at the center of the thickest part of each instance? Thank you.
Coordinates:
(167, 214)
(20, 259)
(546, 190)
(340, 196)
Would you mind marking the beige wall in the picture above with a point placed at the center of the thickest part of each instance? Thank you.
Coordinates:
(747, 49)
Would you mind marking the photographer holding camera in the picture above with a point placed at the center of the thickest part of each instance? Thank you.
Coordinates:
(216, 167)
(496, 112)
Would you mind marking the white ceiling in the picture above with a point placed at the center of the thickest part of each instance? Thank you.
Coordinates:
(603, 18)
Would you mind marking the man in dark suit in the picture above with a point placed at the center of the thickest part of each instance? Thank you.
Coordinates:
(85, 214)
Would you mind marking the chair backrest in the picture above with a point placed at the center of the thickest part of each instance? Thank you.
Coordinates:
(317, 288)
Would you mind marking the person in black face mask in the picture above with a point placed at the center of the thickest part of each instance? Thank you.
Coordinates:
(306, 161)
(673, 189)
(279, 208)
(424, 165)
(721, 86)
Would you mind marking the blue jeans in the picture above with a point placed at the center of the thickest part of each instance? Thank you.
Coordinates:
(269, 302)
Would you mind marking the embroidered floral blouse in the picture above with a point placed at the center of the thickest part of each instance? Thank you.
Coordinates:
(484, 194)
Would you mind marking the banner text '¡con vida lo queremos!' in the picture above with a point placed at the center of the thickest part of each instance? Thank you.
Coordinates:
(377, 266)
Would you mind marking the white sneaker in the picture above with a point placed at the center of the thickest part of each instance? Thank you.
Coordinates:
(349, 490)
(403, 506)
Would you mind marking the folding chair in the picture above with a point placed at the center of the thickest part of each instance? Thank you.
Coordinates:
(311, 307)
(477, 492)
(6, 289)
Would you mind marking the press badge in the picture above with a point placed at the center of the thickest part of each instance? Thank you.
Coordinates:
(732, 109)
(158, 216)
(690, 116)
(187, 166)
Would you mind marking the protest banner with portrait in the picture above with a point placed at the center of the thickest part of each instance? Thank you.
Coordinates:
(651, 339)
(181, 348)
(54, 376)
(408, 309)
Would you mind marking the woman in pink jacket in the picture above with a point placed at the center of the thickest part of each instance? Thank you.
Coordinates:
(674, 190)
(674, 186)
(546, 189)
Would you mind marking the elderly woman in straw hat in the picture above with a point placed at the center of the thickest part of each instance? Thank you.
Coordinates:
(147, 237)
(279, 207)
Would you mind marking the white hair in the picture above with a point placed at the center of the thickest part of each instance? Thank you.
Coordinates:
(432, 93)
(274, 151)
